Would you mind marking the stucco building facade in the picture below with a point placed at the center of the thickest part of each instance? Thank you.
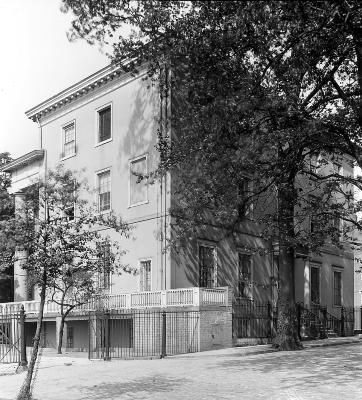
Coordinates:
(106, 125)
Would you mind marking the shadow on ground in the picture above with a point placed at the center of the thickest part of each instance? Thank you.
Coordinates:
(309, 367)
(149, 385)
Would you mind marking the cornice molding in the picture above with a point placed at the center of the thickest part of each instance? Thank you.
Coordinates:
(74, 92)
(96, 93)
(23, 160)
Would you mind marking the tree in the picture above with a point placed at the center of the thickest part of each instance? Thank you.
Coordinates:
(6, 210)
(60, 234)
(259, 89)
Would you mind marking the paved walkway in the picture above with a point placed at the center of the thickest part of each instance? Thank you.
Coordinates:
(254, 372)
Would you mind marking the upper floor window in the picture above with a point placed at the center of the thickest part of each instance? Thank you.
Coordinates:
(245, 195)
(68, 140)
(104, 132)
(69, 212)
(138, 184)
(104, 191)
(145, 276)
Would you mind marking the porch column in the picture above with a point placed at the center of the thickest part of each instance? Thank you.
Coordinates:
(306, 282)
(20, 275)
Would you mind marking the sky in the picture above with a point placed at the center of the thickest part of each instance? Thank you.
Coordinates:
(37, 62)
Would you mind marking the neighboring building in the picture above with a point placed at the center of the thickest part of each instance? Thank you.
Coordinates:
(107, 124)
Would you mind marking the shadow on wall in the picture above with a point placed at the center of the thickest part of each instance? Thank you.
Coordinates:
(185, 260)
(141, 135)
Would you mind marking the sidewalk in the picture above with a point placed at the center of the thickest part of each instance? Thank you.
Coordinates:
(251, 373)
(51, 358)
(267, 348)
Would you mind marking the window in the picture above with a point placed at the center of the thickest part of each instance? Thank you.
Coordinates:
(69, 206)
(244, 275)
(207, 266)
(104, 275)
(68, 140)
(70, 337)
(337, 288)
(314, 284)
(145, 276)
(138, 186)
(245, 192)
(69, 213)
(104, 190)
(104, 124)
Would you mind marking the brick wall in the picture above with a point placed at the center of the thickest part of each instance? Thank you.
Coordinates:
(215, 328)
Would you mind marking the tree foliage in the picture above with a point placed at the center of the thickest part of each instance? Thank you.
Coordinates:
(6, 210)
(259, 90)
(58, 237)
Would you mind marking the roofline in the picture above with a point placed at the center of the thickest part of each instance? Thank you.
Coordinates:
(23, 160)
(74, 92)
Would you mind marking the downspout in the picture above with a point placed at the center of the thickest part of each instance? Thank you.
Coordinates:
(165, 188)
(161, 201)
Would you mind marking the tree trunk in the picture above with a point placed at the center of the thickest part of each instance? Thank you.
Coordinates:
(60, 338)
(25, 391)
(61, 329)
(287, 337)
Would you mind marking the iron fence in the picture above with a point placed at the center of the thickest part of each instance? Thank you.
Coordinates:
(10, 344)
(253, 319)
(142, 333)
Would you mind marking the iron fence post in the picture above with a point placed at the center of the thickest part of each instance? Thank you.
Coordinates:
(299, 314)
(270, 317)
(360, 318)
(106, 336)
(342, 321)
(23, 360)
(163, 337)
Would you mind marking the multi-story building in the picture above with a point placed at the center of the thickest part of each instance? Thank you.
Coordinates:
(107, 125)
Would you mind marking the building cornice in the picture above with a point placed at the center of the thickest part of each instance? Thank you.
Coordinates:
(23, 160)
(74, 92)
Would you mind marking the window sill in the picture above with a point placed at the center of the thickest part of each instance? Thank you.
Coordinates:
(138, 204)
(104, 142)
(67, 157)
(103, 212)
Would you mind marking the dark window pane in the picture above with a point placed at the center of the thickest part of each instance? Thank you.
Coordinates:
(104, 128)
(314, 285)
(337, 289)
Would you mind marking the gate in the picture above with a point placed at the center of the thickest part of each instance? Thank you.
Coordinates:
(142, 333)
(253, 320)
(10, 345)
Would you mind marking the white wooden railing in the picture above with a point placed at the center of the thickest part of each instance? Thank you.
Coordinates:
(163, 298)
